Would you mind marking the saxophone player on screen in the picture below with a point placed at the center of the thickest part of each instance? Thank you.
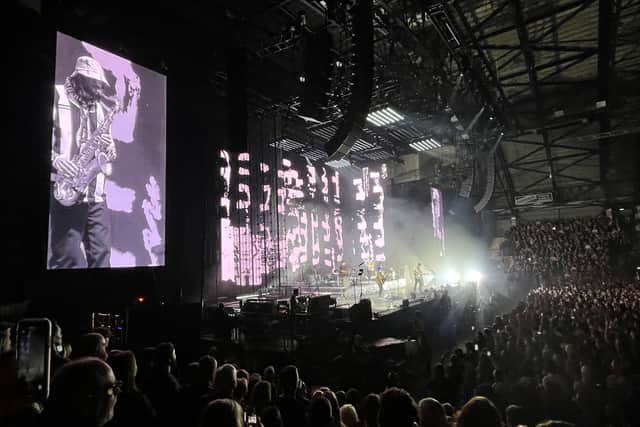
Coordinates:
(82, 155)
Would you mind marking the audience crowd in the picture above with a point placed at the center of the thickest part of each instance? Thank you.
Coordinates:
(563, 356)
(567, 250)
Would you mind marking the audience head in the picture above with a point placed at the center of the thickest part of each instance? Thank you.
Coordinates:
(106, 333)
(370, 409)
(243, 373)
(397, 409)
(241, 390)
(515, 415)
(164, 357)
(226, 381)
(222, 413)
(271, 417)
(333, 400)
(90, 345)
(341, 395)
(289, 380)
(261, 395)
(431, 413)
(5, 337)
(124, 368)
(349, 416)
(320, 412)
(83, 393)
(448, 409)
(269, 374)
(207, 366)
(191, 375)
(352, 397)
(57, 345)
(479, 412)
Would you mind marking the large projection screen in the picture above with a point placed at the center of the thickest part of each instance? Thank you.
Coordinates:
(107, 191)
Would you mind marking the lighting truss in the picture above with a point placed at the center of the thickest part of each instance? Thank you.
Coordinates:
(378, 155)
(384, 117)
(314, 154)
(362, 145)
(286, 144)
(425, 145)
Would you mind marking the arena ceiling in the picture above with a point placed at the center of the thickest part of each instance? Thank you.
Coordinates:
(559, 78)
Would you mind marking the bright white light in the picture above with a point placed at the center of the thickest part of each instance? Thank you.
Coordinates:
(474, 276)
(453, 276)
(425, 144)
(338, 164)
(384, 116)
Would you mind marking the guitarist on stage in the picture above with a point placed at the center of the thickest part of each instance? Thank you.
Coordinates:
(418, 277)
(380, 279)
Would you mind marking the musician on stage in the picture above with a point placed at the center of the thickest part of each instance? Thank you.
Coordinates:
(380, 279)
(342, 272)
(371, 268)
(418, 278)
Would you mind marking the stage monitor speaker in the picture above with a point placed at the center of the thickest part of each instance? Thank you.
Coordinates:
(319, 305)
(361, 312)
(237, 99)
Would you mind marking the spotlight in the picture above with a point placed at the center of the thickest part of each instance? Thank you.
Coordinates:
(474, 276)
(453, 276)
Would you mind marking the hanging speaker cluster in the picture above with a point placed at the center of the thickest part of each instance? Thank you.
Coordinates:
(357, 108)
(317, 73)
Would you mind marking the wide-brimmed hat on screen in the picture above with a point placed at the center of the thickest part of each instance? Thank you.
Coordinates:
(89, 67)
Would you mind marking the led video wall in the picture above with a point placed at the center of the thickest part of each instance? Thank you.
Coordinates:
(297, 220)
(107, 205)
(437, 218)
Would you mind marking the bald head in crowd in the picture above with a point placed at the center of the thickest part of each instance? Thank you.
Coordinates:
(83, 393)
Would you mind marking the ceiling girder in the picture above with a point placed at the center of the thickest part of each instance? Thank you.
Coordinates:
(523, 35)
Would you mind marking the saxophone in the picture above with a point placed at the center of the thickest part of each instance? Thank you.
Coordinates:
(91, 159)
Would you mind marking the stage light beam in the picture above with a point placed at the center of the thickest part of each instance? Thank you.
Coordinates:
(474, 276)
(453, 276)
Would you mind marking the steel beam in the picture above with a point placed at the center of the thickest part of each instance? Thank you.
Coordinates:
(559, 70)
(551, 64)
(560, 169)
(541, 144)
(523, 35)
(537, 17)
(507, 186)
(544, 48)
(529, 154)
(555, 158)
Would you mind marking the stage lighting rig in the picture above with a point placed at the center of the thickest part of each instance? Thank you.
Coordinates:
(426, 144)
(384, 117)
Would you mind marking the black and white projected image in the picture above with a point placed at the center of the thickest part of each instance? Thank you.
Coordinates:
(107, 205)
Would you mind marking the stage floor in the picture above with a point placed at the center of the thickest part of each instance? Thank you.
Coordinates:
(394, 293)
